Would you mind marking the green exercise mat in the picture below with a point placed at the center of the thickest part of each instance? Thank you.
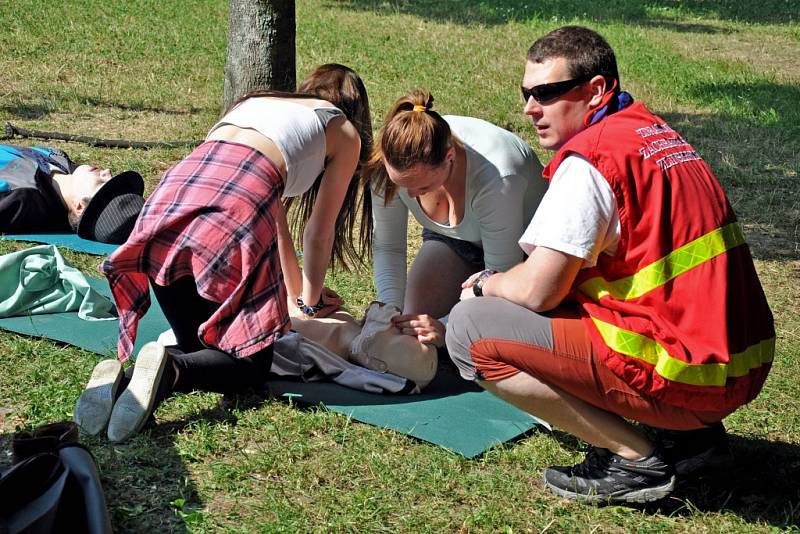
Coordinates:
(452, 413)
(70, 241)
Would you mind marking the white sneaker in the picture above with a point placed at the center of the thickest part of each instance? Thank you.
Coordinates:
(136, 402)
(93, 408)
(167, 338)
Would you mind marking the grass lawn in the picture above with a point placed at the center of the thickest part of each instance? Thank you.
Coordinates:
(726, 74)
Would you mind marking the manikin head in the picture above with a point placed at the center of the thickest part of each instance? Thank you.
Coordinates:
(380, 342)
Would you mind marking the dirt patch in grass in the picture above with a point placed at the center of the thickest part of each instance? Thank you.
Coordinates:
(776, 55)
(8, 424)
(8, 418)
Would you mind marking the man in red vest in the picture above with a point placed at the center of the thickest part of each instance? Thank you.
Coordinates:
(639, 300)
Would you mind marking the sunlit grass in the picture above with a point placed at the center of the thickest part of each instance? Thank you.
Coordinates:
(723, 73)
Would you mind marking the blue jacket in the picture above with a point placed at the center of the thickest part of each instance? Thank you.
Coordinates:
(29, 201)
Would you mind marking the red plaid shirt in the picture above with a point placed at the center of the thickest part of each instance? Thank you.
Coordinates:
(212, 217)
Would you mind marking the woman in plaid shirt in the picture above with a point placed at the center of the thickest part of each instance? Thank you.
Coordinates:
(214, 244)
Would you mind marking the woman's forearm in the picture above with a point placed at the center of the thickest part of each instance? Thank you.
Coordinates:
(292, 276)
(316, 258)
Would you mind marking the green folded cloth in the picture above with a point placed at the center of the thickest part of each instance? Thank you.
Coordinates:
(39, 280)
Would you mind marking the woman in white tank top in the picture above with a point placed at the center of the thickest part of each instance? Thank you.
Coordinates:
(213, 239)
(317, 139)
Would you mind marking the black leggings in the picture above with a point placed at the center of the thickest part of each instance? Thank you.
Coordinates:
(199, 367)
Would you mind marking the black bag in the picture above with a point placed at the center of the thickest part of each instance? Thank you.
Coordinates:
(53, 485)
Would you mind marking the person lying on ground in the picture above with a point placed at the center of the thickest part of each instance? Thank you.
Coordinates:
(473, 186)
(639, 300)
(43, 191)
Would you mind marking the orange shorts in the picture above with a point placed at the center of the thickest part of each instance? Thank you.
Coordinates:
(500, 339)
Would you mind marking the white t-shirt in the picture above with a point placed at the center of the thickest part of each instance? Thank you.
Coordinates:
(577, 216)
(504, 186)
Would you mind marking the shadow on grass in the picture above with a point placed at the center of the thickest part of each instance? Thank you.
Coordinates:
(766, 104)
(761, 487)
(753, 146)
(104, 103)
(469, 12)
(35, 106)
(142, 479)
(28, 111)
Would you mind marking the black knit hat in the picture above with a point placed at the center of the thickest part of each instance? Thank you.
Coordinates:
(110, 215)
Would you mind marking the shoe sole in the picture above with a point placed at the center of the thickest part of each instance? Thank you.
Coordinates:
(131, 410)
(640, 496)
(93, 408)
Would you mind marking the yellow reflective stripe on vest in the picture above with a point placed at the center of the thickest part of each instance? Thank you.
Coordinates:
(706, 374)
(661, 271)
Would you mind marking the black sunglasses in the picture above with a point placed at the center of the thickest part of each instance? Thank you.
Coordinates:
(549, 91)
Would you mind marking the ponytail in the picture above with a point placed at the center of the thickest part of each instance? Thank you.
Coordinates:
(412, 133)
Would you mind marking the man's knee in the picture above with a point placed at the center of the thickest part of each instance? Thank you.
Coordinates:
(462, 331)
(461, 324)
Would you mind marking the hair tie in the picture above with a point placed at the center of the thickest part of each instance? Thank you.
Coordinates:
(420, 108)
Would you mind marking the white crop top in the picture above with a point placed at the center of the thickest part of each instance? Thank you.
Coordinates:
(297, 130)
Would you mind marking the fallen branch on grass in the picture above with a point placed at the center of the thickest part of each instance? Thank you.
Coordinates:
(12, 131)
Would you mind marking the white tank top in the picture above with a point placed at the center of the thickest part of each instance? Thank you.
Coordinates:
(297, 130)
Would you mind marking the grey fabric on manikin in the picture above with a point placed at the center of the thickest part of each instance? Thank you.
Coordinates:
(299, 357)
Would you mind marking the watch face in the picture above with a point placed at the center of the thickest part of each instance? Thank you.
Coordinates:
(476, 289)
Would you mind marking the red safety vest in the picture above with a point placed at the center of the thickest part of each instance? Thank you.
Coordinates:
(678, 312)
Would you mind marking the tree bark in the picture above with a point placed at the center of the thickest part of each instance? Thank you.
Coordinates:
(261, 47)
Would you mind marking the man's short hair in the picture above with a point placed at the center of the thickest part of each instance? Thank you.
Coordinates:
(586, 52)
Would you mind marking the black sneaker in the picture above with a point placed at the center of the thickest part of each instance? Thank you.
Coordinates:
(694, 452)
(604, 477)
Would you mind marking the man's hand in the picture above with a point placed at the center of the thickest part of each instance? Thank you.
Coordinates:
(469, 282)
(467, 292)
(424, 327)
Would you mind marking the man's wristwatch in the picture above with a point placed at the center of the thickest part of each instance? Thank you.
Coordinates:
(477, 287)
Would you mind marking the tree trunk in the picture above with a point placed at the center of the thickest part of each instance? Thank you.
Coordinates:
(261, 50)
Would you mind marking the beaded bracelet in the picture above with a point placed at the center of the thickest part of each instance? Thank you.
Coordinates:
(310, 311)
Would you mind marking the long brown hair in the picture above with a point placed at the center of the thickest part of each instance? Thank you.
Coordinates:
(342, 87)
(412, 133)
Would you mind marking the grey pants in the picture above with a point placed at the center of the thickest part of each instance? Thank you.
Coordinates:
(492, 317)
